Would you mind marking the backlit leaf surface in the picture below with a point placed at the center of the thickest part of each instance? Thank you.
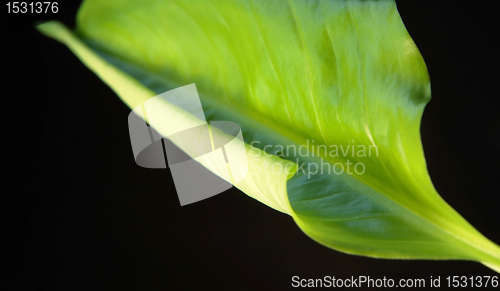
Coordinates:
(301, 74)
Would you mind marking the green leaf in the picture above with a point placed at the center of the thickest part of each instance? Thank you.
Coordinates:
(296, 74)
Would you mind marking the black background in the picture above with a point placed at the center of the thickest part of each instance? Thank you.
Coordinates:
(79, 214)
